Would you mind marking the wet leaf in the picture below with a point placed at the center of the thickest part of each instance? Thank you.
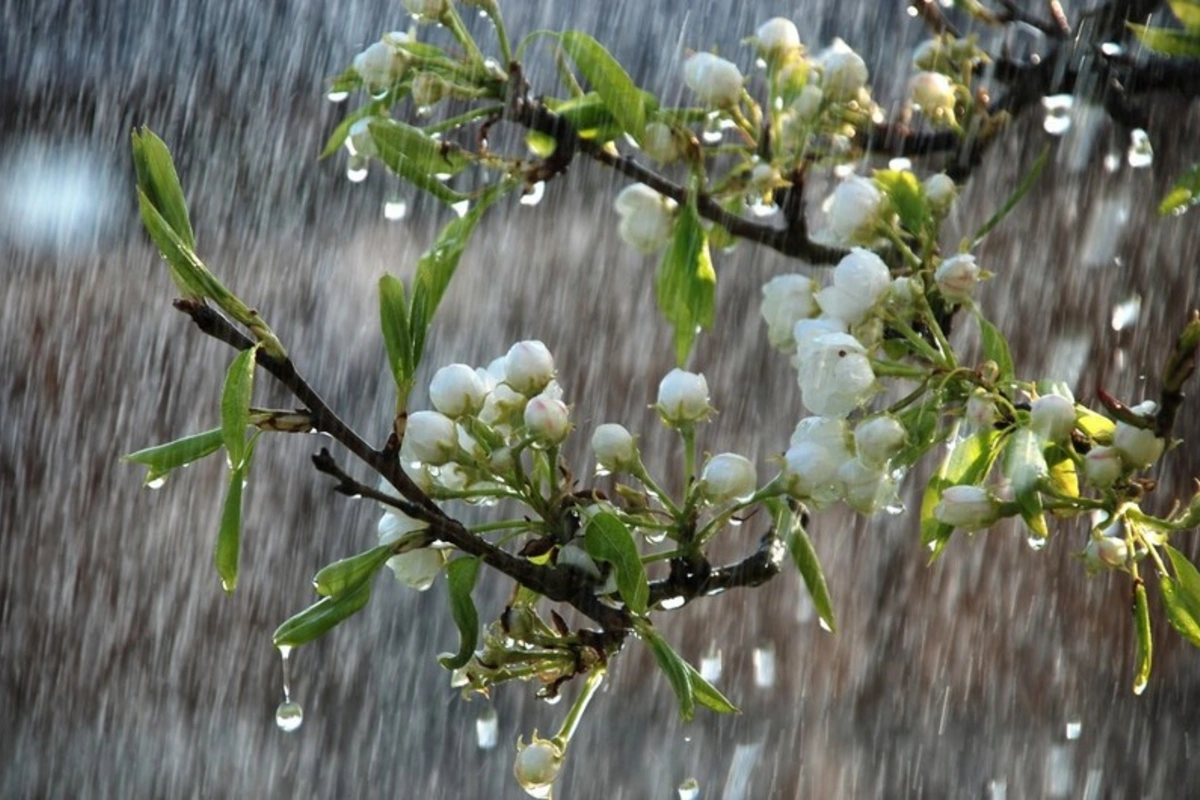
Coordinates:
(342, 131)
(344, 574)
(229, 538)
(1145, 652)
(610, 80)
(968, 462)
(162, 459)
(1184, 194)
(804, 556)
(995, 347)
(1023, 187)
(235, 405)
(419, 173)
(1187, 12)
(589, 116)
(1063, 477)
(908, 198)
(430, 156)
(322, 616)
(608, 539)
(708, 695)
(1168, 41)
(1096, 426)
(1187, 577)
(1180, 612)
(461, 574)
(393, 320)
(686, 284)
(158, 180)
(678, 671)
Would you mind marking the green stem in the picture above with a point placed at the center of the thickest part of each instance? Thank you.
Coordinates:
(595, 677)
(642, 475)
(454, 22)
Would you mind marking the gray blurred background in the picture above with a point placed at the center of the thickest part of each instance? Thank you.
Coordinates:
(126, 672)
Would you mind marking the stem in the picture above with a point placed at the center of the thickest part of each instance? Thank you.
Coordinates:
(454, 22)
(590, 686)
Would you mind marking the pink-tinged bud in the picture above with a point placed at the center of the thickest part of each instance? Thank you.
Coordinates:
(528, 367)
(727, 477)
(968, 508)
(547, 420)
(1102, 466)
(683, 398)
(430, 438)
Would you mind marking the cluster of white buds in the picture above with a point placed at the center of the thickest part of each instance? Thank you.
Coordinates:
(1133, 448)
(647, 218)
(853, 210)
(827, 462)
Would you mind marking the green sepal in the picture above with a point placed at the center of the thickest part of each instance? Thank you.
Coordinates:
(322, 616)
(344, 574)
(461, 575)
(163, 458)
(608, 539)
(907, 198)
(686, 283)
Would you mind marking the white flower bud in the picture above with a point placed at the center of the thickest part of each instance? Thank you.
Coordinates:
(1102, 466)
(547, 419)
(614, 447)
(537, 765)
(903, 293)
(968, 508)
(1107, 551)
(957, 276)
(1139, 447)
(808, 103)
(660, 143)
(865, 488)
(457, 390)
(429, 9)
(836, 375)
(879, 438)
(378, 65)
(810, 472)
(683, 398)
(647, 218)
(430, 438)
(715, 81)
(503, 406)
(981, 410)
(806, 332)
(394, 524)
(843, 72)
(728, 476)
(787, 299)
(528, 367)
(776, 38)
(418, 568)
(940, 191)
(933, 92)
(860, 280)
(1052, 417)
(832, 433)
(853, 209)
(574, 556)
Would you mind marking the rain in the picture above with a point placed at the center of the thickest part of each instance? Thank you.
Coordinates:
(125, 670)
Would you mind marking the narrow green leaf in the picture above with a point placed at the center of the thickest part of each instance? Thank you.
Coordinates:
(461, 574)
(686, 284)
(1179, 612)
(1026, 184)
(336, 578)
(1187, 12)
(907, 197)
(589, 116)
(420, 172)
(708, 695)
(162, 459)
(677, 670)
(322, 616)
(393, 320)
(1184, 194)
(235, 405)
(1187, 577)
(608, 539)
(229, 538)
(968, 462)
(995, 347)
(157, 178)
(181, 261)
(804, 556)
(1145, 651)
(431, 156)
(621, 95)
(1168, 41)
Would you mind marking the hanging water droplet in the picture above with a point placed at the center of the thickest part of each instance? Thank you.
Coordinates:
(710, 665)
(356, 170)
(997, 790)
(655, 537)
(1074, 728)
(900, 163)
(1141, 152)
(1058, 772)
(1140, 685)
(487, 728)
(289, 716)
(395, 210)
(1125, 314)
(157, 483)
(462, 207)
(712, 129)
(535, 194)
(337, 97)
(843, 170)
(689, 789)
(1035, 542)
(912, 11)
(671, 603)
(1058, 113)
(1112, 49)
(552, 699)
(764, 666)
(761, 209)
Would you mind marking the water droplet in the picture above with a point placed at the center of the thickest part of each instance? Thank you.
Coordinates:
(462, 207)
(337, 97)
(487, 728)
(1035, 542)
(997, 790)
(1112, 162)
(535, 194)
(843, 170)
(1058, 772)
(1126, 313)
(1140, 686)
(912, 11)
(157, 483)
(710, 665)
(824, 625)
(289, 716)
(1074, 728)
(764, 666)
(1141, 152)
(1058, 113)
(671, 603)
(689, 789)
(552, 699)
(1111, 49)
(356, 172)
(900, 163)
(760, 209)
(601, 472)
(395, 209)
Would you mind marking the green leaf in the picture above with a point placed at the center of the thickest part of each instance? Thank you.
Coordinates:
(921, 422)
(1026, 184)
(322, 616)
(461, 574)
(336, 578)
(788, 524)
(708, 695)
(608, 539)
(908, 198)
(431, 156)
(228, 551)
(1180, 612)
(393, 320)
(342, 131)
(420, 169)
(162, 459)
(1145, 651)
(1063, 478)
(995, 347)
(185, 269)
(1025, 465)
(1096, 426)
(678, 671)
(157, 179)
(686, 284)
(620, 94)
(1168, 41)
(1184, 194)
(235, 405)
(968, 462)
(1187, 577)
(1187, 12)
(436, 266)
(589, 116)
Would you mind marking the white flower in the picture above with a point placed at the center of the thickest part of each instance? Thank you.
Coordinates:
(787, 299)
(430, 9)
(777, 37)
(430, 438)
(810, 472)
(933, 92)
(956, 277)
(806, 332)
(843, 72)
(860, 280)
(836, 375)
(832, 433)
(865, 488)
(808, 102)
(728, 476)
(418, 568)
(614, 447)
(456, 390)
(394, 524)
(502, 406)
(1108, 549)
(547, 420)
(528, 367)
(659, 143)
(879, 438)
(853, 209)
(1102, 466)
(537, 765)
(1052, 417)
(647, 218)
(715, 81)
(683, 398)
(1139, 447)
(969, 508)
(378, 65)
(940, 191)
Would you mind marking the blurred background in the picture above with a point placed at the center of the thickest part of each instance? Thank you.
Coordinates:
(126, 672)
